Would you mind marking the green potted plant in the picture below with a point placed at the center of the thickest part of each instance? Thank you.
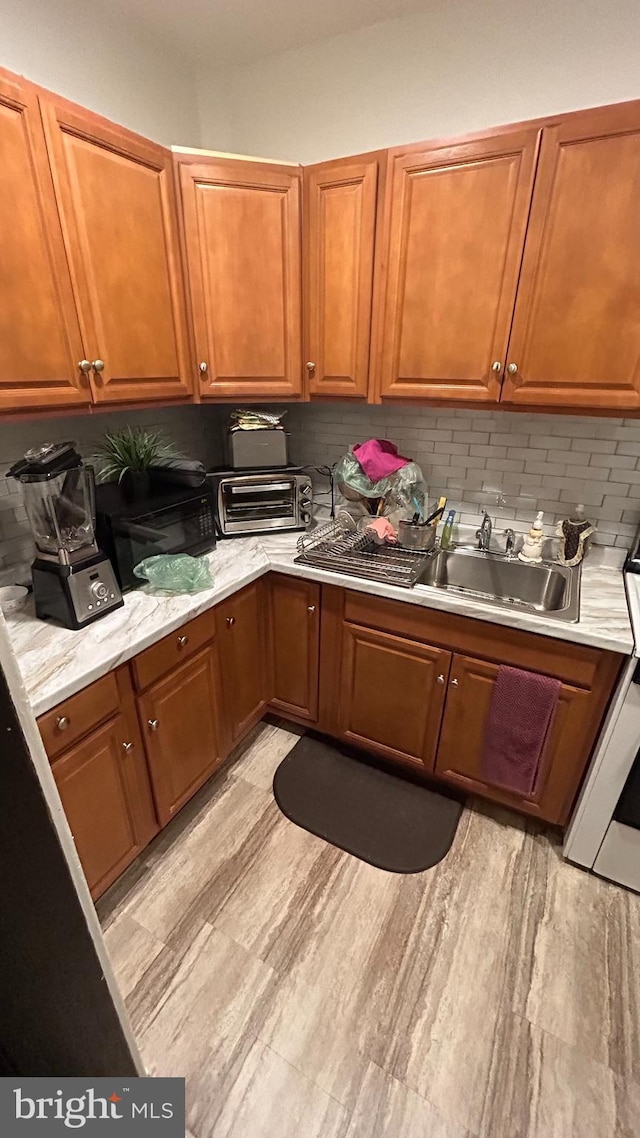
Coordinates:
(125, 456)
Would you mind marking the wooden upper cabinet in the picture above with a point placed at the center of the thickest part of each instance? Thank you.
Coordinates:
(340, 227)
(242, 239)
(455, 223)
(40, 343)
(115, 197)
(576, 332)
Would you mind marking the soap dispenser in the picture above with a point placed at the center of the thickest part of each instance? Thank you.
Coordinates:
(533, 541)
(574, 534)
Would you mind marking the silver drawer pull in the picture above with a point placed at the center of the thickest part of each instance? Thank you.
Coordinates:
(153, 724)
(454, 683)
(62, 722)
(311, 609)
(183, 641)
(231, 620)
(127, 747)
(440, 679)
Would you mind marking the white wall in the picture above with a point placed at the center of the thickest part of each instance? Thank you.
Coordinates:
(86, 51)
(461, 66)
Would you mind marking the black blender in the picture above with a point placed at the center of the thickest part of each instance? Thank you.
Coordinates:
(73, 582)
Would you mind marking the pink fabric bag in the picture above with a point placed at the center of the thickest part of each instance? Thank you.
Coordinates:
(379, 458)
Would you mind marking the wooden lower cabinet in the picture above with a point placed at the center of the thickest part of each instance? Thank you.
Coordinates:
(293, 646)
(240, 623)
(391, 694)
(414, 685)
(401, 682)
(459, 757)
(105, 792)
(180, 719)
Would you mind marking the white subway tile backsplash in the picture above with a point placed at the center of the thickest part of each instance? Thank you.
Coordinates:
(451, 448)
(513, 440)
(534, 461)
(594, 445)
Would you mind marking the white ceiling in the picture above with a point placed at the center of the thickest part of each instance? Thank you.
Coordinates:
(231, 32)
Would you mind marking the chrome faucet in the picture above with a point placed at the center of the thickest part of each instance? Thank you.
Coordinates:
(484, 533)
(510, 542)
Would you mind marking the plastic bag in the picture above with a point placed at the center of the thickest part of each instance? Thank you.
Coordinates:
(176, 573)
(403, 490)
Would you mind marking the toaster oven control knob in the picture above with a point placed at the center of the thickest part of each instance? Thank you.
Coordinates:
(306, 490)
(99, 590)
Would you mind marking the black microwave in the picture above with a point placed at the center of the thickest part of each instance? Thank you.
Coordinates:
(167, 521)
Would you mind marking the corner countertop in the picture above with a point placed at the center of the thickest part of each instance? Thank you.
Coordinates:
(56, 663)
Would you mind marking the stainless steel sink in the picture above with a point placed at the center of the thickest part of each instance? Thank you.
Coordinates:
(548, 588)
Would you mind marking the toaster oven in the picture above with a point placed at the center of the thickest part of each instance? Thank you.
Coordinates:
(260, 501)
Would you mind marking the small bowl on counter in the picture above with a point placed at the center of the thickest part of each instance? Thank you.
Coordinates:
(12, 598)
(412, 535)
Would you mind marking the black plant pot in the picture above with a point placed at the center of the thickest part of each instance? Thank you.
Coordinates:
(135, 485)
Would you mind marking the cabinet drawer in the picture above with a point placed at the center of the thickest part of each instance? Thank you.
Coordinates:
(576, 664)
(174, 649)
(79, 714)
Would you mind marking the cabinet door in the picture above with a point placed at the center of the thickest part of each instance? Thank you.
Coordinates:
(340, 227)
(576, 334)
(391, 694)
(459, 758)
(115, 196)
(104, 787)
(241, 638)
(180, 720)
(294, 646)
(40, 343)
(454, 238)
(242, 237)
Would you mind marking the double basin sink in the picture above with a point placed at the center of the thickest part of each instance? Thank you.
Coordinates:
(547, 589)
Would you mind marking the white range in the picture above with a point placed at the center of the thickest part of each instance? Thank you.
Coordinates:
(604, 834)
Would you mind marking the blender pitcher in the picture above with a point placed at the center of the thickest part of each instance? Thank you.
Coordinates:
(61, 512)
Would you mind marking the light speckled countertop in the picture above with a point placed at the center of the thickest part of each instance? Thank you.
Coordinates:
(56, 662)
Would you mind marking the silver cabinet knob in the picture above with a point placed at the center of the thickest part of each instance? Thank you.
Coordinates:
(62, 722)
(85, 366)
(98, 365)
(311, 366)
(153, 724)
(311, 609)
(454, 683)
(512, 368)
(183, 641)
(231, 620)
(127, 747)
(496, 365)
(203, 367)
(440, 679)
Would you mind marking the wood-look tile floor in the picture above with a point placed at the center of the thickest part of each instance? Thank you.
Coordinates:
(305, 994)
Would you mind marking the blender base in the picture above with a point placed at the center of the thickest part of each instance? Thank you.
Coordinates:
(75, 595)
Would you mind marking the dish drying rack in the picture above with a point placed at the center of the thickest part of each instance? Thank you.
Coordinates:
(340, 547)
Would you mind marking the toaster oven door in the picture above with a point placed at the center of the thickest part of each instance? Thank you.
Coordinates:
(253, 505)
